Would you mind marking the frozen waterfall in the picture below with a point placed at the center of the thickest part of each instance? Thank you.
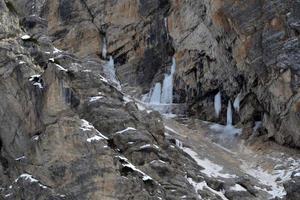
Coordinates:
(156, 94)
(110, 72)
(167, 89)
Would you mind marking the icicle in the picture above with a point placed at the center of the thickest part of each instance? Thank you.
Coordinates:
(166, 26)
(218, 104)
(236, 103)
(166, 23)
(156, 94)
(229, 114)
(173, 67)
(104, 48)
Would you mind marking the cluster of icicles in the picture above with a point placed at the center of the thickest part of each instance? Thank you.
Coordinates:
(163, 94)
(218, 107)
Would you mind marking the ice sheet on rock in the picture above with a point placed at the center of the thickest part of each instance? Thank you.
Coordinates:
(238, 188)
(297, 174)
(21, 62)
(125, 130)
(131, 166)
(51, 59)
(210, 169)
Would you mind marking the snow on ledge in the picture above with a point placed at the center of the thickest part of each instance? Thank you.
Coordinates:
(29, 178)
(86, 126)
(210, 169)
(95, 98)
(131, 166)
(61, 68)
(94, 138)
(202, 185)
(25, 37)
(20, 158)
(125, 130)
(238, 188)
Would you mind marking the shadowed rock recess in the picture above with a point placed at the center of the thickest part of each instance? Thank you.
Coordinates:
(69, 130)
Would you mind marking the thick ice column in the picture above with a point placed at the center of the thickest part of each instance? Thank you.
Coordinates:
(229, 114)
(156, 94)
(218, 104)
(167, 90)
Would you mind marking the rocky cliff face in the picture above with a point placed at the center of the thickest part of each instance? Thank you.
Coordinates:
(234, 47)
(67, 131)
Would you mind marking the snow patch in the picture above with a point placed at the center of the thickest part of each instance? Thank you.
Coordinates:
(238, 188)
(202, 185)
(61, 68)
(38, 84)
(86, 126)
(95, 98)
(56, 50)
(34, 76)
(94, 138)
(20, 158)
(210, 169)
(25, 37)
